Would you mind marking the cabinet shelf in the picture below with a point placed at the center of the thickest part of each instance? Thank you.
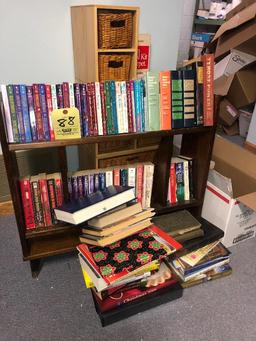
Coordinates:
(127, 50)
(212, 22)
(98, 139)
(50, 230)
(177, 206)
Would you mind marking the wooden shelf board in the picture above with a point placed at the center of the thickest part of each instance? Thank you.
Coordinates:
(98, 139)
(125, 50)
(50, 230)
(52, 245)
(212, 22)
(178, 206)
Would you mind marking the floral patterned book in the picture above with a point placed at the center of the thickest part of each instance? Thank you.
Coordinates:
(122, 258)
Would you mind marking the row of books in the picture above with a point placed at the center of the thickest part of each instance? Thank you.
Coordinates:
(161, 101)
(181, 179)
(40, 195)
(138, 176)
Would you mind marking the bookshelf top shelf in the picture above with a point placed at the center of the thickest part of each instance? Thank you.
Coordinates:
(98, 139)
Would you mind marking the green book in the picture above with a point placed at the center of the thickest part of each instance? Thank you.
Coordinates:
(110, 123)
(152, 90)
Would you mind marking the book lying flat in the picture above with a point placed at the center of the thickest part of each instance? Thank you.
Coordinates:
(103, 241)
(125, 223)
(110, 218)
(78, 211)
(182, 238)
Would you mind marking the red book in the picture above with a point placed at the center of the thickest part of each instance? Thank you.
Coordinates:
(129, 107)
(103, 108)
(94, 110)
(38, 113)
(139, 183)
(59, 94)
(52, 197)
(48, 95)
(58, 190)
(45, 202)
(27, 203)
(208, 97)
(172, 184)
(65, 90)
(116, 173)
(165, 100)
(89, 100)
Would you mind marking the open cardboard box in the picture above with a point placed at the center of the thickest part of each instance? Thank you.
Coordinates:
(230, 197)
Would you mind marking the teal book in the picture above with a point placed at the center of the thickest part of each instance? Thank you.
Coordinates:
(177, 100)
(152, 92)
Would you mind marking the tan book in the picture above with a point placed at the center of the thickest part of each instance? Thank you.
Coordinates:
(85, 238)
(111, 218)
(125, 223)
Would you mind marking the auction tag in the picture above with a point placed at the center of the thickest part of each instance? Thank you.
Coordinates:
(66, 123)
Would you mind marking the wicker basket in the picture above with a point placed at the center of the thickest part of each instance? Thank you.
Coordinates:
(114, 67)
(114, 30)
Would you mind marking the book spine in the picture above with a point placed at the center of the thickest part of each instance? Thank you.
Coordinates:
(110, 123)
(177, 100)
(165, 100)
(37, 204)
(80, 186)
(74, 185)
(70, 195)
(133, 106)
(98, 108)
(94, 110)
(45, 202)
(89, 98)
(102, 181)
(25, 112)
(31, 113)
(37, 107)
(7, 114)
(103, 108)
(44, 112)
(85, 116)
(189, 98)
(48, 95)
(173, 184)
(58, 191)
(119, 109)
(191, 182)
(18, 109)
(124, 177)
(27, 204)
(186, 180)
(71, 95)
(65, 91)
(179, 181)
(208, 69)
(59, 94)
(113, 106)
(152, 81)
(139, 183)
(116, 176)
(199, 93)
(137, 101)
(52, 199)
(142, 104)
(109, 178)
(129, 107)
(91, 183)
(14, 119)
(132, 176)
(124, 106)
(85, 184)
(147, 185)
(77, 98)
(96, 182)
(54, 97)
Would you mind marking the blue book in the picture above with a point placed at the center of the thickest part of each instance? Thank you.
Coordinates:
(18, 109)
(44, 112)
(137, 101)
(102, 181)
(85, 185)
(83, 209)
(124, 177)
(74, 185)
(78, 104)
(113, 105)
(80, 186)
(25, 113)
(91, 183)
(142, 98)
(84, 110)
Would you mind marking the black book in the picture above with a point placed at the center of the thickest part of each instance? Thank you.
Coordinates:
(189, 100)
(177, 99)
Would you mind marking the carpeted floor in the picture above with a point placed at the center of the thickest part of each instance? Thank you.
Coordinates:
(56, 306)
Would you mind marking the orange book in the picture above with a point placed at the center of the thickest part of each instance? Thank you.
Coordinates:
(165, 100)
(208, 69)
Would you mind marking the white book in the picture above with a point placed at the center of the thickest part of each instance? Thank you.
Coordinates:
(148, 173)
(75, 212)
(54, 97)
(109, 178)
(7, 114)
(132, 176)
(124, 106)
(98, 108)
(119, 108)
(186, 180)
(71, 95)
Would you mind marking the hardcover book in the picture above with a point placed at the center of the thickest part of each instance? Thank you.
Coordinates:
(189, 100)
(78, 211)
(177, 100)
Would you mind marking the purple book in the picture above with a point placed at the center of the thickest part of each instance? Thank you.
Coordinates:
(18, 108)
(85, 185)
(80, 186)
(91, 183)
(74, 187)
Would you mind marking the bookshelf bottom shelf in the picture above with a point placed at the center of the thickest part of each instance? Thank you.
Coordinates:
(178, 206)
(52, 245)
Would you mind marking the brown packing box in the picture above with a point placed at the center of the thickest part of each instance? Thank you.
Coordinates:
(243, 88)
(238, 32)
(238, 164)
(228, 114)
(239, 8)
(232, 130)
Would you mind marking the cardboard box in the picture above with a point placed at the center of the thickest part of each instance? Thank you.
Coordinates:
(232, 130)
(230, 198)
(251, 136)
(228, 114)
(243, 4)
(244, 122)
(238, 32)
(242, 90)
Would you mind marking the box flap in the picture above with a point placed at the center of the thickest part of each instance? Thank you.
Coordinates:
(221, 182)
(248, 200)
(240, 18)
(222, 85)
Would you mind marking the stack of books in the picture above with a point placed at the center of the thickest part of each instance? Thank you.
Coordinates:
(161, 101)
